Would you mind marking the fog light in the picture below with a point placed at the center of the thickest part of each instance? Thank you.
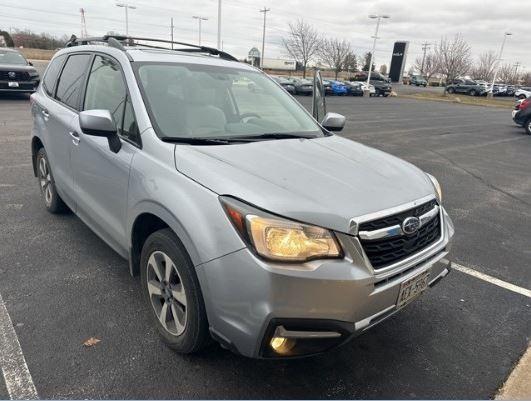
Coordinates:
(282, 345)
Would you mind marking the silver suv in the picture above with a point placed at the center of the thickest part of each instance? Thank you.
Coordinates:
(248, 221)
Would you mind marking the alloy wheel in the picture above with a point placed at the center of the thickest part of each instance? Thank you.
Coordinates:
(166, 293)
(45, 181)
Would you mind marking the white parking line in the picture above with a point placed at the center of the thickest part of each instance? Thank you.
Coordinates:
(12, 362)
(492, 280)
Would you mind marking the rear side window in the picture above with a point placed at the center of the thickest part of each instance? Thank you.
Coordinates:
(71, 80)
(52, 73)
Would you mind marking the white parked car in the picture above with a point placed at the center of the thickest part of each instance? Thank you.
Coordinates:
(523, 93)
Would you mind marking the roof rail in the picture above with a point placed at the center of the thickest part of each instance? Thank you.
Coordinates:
(121, 41)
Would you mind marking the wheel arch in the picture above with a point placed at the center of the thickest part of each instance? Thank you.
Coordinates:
(36, 144)
(152, 217)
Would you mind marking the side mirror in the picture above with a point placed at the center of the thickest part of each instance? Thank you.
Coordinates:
(333, 122)
(30, 63)
(100, 123)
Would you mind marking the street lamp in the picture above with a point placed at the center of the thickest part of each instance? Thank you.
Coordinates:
(127, 7)
(491, 92)
(219, 24)
(366, 91)
(199, 18)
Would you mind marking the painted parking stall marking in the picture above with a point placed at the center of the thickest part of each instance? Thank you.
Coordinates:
(492, 280)
(16, 374)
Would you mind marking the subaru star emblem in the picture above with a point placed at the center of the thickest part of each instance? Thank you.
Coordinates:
(411, 225)
(11, 74)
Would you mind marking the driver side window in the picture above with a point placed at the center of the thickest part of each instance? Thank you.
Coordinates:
(106, 90)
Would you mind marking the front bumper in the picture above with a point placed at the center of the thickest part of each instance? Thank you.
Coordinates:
(247, 298)
(23, 86)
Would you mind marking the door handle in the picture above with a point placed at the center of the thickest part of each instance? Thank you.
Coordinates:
(45, 113)
(75, 137)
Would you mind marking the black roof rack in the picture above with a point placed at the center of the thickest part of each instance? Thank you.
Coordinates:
(122, 41)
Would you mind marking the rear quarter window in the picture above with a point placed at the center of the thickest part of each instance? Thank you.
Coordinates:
(52, 73)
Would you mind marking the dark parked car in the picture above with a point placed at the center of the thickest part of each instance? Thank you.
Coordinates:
(285, 83)
(16, 73)
(522, 114)
(303, 86)
(354, 88)
(383, 88)
(417, 80)
(466, 86)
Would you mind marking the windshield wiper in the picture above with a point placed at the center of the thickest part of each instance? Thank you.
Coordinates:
(270, 135)
(196, 141)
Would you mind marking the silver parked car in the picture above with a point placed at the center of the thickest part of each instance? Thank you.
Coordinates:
(247, 219)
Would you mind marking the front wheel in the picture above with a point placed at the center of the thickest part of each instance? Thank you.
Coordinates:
(171, 288)
(450, 90)
(52, 200)
(472, 93)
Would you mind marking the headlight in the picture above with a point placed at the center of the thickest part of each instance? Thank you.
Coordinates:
(436, 185)
(280, 239)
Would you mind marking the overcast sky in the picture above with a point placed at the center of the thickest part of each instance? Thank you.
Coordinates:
(481, 22)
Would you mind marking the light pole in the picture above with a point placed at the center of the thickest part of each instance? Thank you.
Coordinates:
(265, 11)
(491, 92)
(127, 7)
(199, 18)
(366, 91)
(219, 24)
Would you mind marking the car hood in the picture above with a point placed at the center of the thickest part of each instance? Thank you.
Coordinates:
(18, 68)
(324, 181)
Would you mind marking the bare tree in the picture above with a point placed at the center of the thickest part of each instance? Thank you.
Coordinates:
(484, 69)
(454, 57)
(351, 62)
(302, 43)
(333, 53)
(429, 67)
(507, 74)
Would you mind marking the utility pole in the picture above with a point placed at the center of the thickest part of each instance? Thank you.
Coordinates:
(83, 23)
(516, 66)
(425, 46)
(491, 93)
(265, 11)
(127, 7)
(171, 30)
(219, 24)
(366, 91)
(199, 18)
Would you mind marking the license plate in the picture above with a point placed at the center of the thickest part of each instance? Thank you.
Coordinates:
(13, 84)
(412, 288)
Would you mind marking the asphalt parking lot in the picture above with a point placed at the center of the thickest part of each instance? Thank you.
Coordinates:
(62, 285)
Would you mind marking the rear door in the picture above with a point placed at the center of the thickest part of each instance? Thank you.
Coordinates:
(102, 176)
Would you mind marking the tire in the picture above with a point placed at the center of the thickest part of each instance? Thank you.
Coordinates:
(450, 90)
(527, 126)
(174, 292)
(472, 92)
(52, 201)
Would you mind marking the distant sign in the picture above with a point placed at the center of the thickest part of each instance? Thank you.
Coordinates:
(398, 61)
(279, 64)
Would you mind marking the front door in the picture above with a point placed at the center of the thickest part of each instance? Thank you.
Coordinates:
(101, 176)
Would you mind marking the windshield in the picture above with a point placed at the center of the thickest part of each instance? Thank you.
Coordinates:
(201, 101)
(12, 58)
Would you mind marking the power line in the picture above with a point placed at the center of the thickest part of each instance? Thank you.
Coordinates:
(425, 46)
